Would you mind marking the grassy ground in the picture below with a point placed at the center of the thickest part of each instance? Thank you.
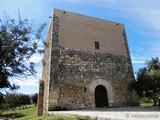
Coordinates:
(143, 104)
(30, 114)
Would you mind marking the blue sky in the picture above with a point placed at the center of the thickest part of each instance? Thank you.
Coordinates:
(140, 17)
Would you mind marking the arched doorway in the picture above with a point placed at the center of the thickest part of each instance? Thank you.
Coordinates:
(101, 99)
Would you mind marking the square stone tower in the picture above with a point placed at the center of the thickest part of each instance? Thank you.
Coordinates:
(87, 64)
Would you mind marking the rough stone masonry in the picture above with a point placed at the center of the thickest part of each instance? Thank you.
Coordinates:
(87, 64)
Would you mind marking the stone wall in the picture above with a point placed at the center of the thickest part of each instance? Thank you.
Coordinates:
(77, 69)
(52, 35)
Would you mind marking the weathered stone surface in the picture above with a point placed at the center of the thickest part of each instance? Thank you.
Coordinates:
(40, 99)
(73, 70)
(77, 72)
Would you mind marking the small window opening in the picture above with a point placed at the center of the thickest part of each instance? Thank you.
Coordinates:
(85, 89)
(96, 45)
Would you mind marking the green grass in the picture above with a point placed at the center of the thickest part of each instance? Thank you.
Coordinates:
(143, 104)
(147, 103)
(30, 114)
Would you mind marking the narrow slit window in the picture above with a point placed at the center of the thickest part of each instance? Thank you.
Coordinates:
(96, 45)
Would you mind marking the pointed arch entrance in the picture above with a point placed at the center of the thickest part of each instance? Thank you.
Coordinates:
(101, 99)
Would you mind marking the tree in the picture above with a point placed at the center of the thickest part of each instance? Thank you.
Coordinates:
(1, 103)
(148, 80)
(34, 98)
(18, 43)
(153, 64)
(10, 101)
(14, 100)
(24, 100)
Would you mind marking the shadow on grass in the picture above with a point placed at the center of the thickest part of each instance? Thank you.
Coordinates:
(11, 115)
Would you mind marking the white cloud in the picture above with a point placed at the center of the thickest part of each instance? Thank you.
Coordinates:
(27, 82)
(36, 58)
(12, 7)
(28, 92)
(145, 12)
(138, 61)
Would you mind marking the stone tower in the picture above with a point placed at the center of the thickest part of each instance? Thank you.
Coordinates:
(87, 64)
